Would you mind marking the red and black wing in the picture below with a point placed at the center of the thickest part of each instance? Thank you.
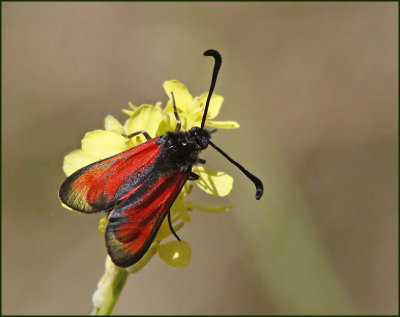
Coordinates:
(101, 185)
(134, 223)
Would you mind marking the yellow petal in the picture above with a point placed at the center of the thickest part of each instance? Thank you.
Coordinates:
(175, 253)
(215, 104)
(158, 105)
(165, 126)
(187, 120)
(183, 98)
(223, 124)
(165, 230)
(131, 105)
(187, 188)
(196, 114)
(128, 112)
(76, 160)
(145, 117)
(67, 207)
(208, 208)
(213, 182)
(113, 125)
(143, 261)
(102, 226)
(179, 208)
(103, 144)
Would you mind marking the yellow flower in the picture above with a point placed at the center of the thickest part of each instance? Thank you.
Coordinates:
(191, 109)
(100, 144)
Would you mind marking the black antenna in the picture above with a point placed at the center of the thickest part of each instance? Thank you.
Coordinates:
(178, 120)
(217, 66)
(255, 180)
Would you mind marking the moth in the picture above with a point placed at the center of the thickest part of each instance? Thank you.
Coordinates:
(138, 186)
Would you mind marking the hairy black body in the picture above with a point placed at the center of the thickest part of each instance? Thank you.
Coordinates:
(180, 150)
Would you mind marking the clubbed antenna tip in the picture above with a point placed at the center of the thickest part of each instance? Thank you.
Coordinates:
(217, 66)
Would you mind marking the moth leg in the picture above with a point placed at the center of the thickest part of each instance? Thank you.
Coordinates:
(146, 135)
(170, 226)
(201, 161)
(193, 176)
(178, 120)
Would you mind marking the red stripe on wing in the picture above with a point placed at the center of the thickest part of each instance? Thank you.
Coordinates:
(133, 225)
(93, 188)
(131, 192)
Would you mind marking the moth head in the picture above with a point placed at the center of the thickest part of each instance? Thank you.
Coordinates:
(201, 137)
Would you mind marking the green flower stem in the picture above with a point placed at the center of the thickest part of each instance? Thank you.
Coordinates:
(109, 289)
(112, 282)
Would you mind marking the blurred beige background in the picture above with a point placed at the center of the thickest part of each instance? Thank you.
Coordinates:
(314, 87)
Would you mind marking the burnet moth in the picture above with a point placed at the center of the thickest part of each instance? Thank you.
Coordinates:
(138, 186)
